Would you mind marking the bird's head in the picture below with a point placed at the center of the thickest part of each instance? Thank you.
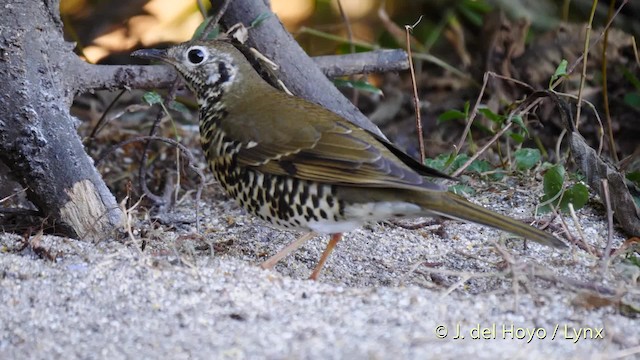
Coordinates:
(206, 66)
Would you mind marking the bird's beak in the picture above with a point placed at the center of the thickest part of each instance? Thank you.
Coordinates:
(153, 54)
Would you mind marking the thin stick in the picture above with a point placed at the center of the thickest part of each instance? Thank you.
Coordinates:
(605, 89)
(352, 46)
(635, 50)
(571, 68)
(607, 202)
(583, 76)
(191, 161)
(496, 136)
(576, 222)
(476, 106)
(202, 8)
(101, 122)
(12, 195)
(595, 113)
(472, 115)
(482, 149)
(142, 174)
(416, 101)
(215, 20)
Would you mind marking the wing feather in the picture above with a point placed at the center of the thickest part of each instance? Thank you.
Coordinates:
(323, 147)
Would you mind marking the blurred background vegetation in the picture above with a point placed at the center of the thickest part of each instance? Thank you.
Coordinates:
(102, 27)
(455, 43)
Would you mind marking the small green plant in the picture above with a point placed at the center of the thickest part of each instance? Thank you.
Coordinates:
(527, 158)
(556, 195)
(561, 71)
(633, 98)
(153, 98)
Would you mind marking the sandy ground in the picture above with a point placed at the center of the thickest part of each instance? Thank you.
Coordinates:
(443, 290)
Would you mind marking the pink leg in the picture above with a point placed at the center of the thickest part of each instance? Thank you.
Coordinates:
(272, 261)
(335, 238)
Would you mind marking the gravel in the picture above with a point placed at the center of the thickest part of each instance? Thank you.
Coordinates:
(386, 292)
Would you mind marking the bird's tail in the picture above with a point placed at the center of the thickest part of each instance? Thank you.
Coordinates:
(454, 206)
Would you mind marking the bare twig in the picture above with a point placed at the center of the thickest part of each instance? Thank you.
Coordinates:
(558, 147)
(545, 274)
(527, 104)
(213, 22)
(476, 106)
(191, 162)
(635, 50)
(14, 194)
(605, 92)
(352, 46)
(142, 175)
(202, 8)
(595, 113)
(578, 242)
(576, 222)
(483, 148)
(572, 67)
(396, 31)
(607, 202)
(101, 122)
(472, 115)
(128, 222)
(583, 77)
(416, 100)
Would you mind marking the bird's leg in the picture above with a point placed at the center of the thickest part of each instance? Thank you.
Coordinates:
(335, 238)
(272, 261)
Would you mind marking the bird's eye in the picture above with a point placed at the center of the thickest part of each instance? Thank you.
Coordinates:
(196, 55)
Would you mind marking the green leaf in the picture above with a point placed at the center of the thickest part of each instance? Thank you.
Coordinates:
(152, 98)
(443, 161)
(578, 195)
(458, 161)
(527, 158)
(260, 19)
(561, 70)
(517, 119)
(632, 259)
(451, 115)
(439, 162)
(462, 189)
(359, 85)
(632, 78)
(474, 11)
(480, 166)
(552, 184)
(634, 177)
(178, 106)
(632, 99)
(498, 175)
(455, 114)
(496, 118)
(553, 180)
(517, 137)
(212, 34)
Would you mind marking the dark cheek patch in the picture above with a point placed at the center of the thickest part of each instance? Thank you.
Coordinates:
(224, 73)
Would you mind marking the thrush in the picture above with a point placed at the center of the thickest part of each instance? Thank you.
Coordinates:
(300, 166)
